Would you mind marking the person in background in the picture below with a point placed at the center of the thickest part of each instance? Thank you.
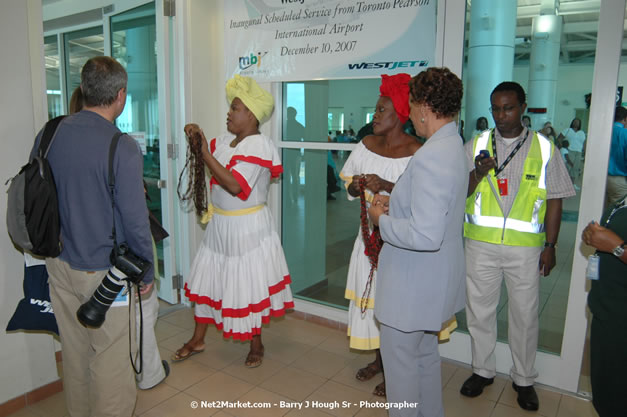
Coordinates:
(239, 276)
(549, 132)
(576, 139)
(98, 379)
(565, 157)
(526, 121)
(480, 126)
(608, 304)
(512, 222)
(379, 159)
(617, 168)
(76, 101)
(420, 281)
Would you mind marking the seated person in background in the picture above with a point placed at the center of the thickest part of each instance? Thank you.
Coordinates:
(549, 132)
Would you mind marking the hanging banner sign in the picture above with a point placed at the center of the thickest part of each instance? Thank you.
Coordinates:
(289, 40)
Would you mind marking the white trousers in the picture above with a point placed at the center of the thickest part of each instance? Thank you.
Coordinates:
(486, 266)
(152, 368)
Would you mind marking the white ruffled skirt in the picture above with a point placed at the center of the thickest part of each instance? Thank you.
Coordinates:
(363, 328)
(239, 277)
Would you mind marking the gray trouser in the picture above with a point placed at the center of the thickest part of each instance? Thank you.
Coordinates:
(412, 372)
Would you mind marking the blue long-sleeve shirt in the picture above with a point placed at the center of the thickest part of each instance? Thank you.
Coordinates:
(618, 151)
(79, 159)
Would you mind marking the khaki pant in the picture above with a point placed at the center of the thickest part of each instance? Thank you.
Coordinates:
(98, 379)
(615, 190)
(486, 266)
(152, 367)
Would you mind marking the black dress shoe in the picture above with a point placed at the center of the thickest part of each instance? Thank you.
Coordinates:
(474, 385)
(527, 397)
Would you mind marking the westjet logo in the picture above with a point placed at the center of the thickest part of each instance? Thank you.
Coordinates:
(45, 304)
(388, 65)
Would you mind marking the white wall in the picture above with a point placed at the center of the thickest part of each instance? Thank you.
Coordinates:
(27, 360)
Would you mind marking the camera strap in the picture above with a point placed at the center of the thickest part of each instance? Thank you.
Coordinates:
(111, 181)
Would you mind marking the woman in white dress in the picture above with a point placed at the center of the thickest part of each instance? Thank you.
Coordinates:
(239, 277)
(379, 159)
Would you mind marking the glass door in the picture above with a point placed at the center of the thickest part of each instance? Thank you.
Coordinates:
(582, 68)
(134, 45)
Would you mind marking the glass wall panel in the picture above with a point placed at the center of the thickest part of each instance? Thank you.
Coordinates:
(79, 47)
(319, 224)
(552, 57)
(53, 76)
(133, 44)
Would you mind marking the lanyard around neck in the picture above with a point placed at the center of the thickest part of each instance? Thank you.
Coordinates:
(619, 205)
(498, 170)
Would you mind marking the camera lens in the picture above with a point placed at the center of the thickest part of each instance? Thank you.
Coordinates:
(92, 313)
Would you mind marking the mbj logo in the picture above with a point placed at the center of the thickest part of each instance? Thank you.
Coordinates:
(249, 61)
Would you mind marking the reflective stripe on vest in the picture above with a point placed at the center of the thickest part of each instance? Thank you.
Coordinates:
(484, 220)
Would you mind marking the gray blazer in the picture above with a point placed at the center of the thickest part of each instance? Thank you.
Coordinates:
(422, 271)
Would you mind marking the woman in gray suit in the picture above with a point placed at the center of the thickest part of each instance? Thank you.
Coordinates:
(421, 266)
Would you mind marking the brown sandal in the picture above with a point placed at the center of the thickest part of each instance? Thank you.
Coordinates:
(178, 356)
(379, 390)
(368, 372)
(254, 359)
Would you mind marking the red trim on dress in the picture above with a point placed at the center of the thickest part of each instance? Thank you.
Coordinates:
(212, 146)
(245, 193)
(275, 170)
(244, 311)
(253, 332)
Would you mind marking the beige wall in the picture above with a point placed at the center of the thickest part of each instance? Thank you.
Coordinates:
(27, 360)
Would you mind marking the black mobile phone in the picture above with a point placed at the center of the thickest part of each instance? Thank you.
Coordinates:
(484, 153)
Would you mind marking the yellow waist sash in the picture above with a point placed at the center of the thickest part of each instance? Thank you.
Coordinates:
(207, 215)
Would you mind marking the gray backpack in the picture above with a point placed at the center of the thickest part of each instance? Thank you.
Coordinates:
(32, 207)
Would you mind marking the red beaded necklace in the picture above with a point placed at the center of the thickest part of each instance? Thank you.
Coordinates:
(372, 241)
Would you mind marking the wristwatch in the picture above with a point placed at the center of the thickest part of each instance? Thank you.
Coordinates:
(549, 245)
(619, 250)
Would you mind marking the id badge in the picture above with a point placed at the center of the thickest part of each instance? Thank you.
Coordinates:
(502, 186)
(592, 270)
(122, 298)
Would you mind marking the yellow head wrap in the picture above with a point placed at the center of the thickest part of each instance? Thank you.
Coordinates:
(258, 100)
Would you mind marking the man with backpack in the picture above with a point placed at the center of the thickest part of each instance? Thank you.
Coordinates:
(97, 377)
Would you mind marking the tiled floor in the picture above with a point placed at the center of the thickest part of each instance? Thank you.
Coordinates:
(304, 362)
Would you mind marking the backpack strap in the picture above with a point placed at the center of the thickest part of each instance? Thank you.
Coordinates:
(112, 148)
(48, 136)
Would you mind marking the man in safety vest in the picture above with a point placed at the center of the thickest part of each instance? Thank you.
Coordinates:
(512, 221)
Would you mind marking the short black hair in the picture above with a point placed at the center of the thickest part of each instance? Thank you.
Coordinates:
(511, 86)
(620, 114)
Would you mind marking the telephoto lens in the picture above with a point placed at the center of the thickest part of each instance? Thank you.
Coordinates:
(92, 313)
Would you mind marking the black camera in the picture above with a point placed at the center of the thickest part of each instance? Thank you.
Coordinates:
(126, 266)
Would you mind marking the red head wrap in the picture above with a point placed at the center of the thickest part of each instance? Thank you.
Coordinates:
(396, 87)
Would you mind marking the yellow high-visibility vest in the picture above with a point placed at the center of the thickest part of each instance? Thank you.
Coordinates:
(524, 226)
